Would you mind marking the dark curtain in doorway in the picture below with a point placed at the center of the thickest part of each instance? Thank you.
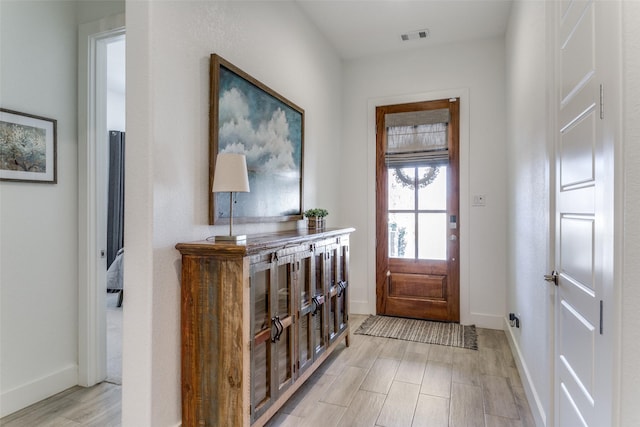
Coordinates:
(115, 209)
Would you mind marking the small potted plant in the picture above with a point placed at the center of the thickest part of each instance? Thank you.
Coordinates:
(315, 218)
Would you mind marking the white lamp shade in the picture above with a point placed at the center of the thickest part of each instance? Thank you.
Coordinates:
(231, 173)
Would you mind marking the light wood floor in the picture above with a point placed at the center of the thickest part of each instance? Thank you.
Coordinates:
(374, 382)
(98, 406)
(386, 382)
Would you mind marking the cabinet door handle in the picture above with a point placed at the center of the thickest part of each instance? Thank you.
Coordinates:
(281, 328)
(278, 325)
(273, 323)
(318, 300)
(342, 286)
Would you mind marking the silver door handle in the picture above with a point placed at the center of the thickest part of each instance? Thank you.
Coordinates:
(553, 277)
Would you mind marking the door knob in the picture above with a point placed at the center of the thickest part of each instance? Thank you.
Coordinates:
(553, 277)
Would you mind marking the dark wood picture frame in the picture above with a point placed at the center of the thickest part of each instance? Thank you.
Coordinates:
(28, 147)
(250, 118)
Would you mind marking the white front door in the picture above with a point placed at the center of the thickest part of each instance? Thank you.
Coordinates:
(584, 220)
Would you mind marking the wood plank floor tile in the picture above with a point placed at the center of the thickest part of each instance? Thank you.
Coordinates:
(285, 420)
(466, 367)
(400, 405)
(306, 397)
(524, 410)
(491, 362)
(467, 409)
(419, 347)
(411, 368)
(336, 362)
(63, 422)
(380, 376)
(39, 413)
(441, 353)
(494, 421)
(99, 405)
(364, 410)
(345, 386)
(437, 379)
(324, 415)
(498, 397)
(393, 349)
(365, 354)
(431, 411)
(490, 338)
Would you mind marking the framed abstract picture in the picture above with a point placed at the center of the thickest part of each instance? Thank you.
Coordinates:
(247, 117)
(27, 147)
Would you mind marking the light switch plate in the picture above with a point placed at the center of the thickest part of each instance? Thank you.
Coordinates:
(479, 200)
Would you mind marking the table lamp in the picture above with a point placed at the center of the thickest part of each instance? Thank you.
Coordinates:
(231, 176)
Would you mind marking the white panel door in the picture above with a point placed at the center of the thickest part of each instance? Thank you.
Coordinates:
(584, 202)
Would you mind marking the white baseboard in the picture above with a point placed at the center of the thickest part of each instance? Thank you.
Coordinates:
(27, 394)
(360, 307)
(537, 409)
(481, 320)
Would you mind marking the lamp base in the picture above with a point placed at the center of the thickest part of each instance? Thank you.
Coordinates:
(238, 240)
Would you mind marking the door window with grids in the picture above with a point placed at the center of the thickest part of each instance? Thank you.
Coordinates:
(418, 212)
(416, 160)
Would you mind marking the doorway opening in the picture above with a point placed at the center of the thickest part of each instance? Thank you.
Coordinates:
(116, 118)
(417, 206)
(98, 110)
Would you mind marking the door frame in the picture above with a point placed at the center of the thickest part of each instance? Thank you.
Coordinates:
(92, 195)
(384, 263)
(369, 305)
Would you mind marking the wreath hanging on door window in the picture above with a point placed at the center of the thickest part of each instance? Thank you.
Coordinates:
(406, 181)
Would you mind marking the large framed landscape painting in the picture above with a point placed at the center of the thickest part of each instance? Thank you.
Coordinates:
(27, 147)
(247, 117)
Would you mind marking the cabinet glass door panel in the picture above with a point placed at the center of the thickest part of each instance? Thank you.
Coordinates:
(332, 264)
(262, 329)
(260, 281)
(261, 376)
(305, 354)
(285, 363)
(305, 332)
(283, 323)
(283, 307)
(318, 302)
(318, 332)
(343, 285)
(304, 281)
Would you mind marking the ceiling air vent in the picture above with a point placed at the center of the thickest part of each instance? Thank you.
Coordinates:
(415, 35)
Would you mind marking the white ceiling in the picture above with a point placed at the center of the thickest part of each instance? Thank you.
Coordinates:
(358, 28)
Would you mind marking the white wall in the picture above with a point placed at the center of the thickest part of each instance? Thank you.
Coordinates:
(38, 248)
(630, 293)
(528, 195)
(168, 48)
(39, 222)
(475, 69)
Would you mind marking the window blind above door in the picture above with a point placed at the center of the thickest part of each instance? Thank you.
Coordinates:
(417, 138)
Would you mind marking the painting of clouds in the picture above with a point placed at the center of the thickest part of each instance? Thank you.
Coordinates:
(269, 132)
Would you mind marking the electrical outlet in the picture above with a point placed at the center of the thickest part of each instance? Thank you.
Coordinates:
(514, 320)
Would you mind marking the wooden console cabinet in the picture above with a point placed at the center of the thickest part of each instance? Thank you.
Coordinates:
(257, 320)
